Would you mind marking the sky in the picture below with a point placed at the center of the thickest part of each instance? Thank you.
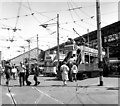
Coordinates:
(28, 17)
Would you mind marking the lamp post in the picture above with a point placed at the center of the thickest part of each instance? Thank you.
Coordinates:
(100, 59)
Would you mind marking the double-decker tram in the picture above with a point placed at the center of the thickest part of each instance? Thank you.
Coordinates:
(86, 59)
(49, 65)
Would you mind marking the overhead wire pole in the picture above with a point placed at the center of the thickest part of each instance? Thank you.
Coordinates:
(37, 48)
(88, 44)
(58, 49)
(100, 59)
(28, 53)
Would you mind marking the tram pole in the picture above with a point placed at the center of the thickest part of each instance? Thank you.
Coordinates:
(88, 44)
(37, 48)
(28, 53)
(58, 50)
(100, 59)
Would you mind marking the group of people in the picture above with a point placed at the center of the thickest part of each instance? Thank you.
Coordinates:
(68, 70)
(23, 73)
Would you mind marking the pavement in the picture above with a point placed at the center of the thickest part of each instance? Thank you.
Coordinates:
(52, 91)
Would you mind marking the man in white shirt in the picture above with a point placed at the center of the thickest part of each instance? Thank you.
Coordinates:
(65, 69)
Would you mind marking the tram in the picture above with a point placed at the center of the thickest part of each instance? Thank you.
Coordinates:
(49, 66)
(86, 59)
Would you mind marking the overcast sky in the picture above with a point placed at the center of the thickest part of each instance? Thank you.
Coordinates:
(78, 15)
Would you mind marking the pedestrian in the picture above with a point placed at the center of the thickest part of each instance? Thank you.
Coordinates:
(27, 75)
(21, 73)
(64, 69)
(70, 64)
(36, 74)
(14, 72)
(7, 72)
(74, 70)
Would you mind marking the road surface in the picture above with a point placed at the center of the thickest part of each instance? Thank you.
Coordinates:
(52, 91)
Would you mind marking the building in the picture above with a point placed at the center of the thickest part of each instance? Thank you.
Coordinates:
(32, 54)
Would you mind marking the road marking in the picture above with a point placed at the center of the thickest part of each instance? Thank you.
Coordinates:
(38, 99)
(48, 95)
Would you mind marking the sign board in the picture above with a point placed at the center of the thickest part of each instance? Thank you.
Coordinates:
(69, 47)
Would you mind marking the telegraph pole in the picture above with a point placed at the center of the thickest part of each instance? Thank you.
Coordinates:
(28, 53)
(100, 59)
(88, 44)
(58, 38)
(37, 48)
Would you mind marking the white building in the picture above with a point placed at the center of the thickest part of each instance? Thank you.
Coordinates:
(20, 58)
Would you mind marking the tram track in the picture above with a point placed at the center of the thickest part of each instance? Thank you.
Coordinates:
(47, 95)
(11, 96)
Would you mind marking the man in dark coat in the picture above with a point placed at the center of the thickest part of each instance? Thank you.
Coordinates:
(8, 72)
(27, 74)
(36, 74)
(21, 73)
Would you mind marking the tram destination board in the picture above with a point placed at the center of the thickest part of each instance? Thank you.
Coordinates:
(69, 48)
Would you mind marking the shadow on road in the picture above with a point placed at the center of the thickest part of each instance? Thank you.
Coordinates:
(52, 80)
(113, 88)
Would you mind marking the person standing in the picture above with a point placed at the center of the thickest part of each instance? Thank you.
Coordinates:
(64, 69)
(36, 74)
(7, 72)
(70, 64)
(21, 73)
(74, 70)
(14, 72)
(27, 75)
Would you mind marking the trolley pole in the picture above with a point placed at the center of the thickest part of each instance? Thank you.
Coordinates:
(58, 39)
(100, 59)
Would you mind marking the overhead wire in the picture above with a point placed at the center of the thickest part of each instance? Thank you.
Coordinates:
(32, 13)
(54, 20)
(14, 30)
(57, 11)
(87, 15)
